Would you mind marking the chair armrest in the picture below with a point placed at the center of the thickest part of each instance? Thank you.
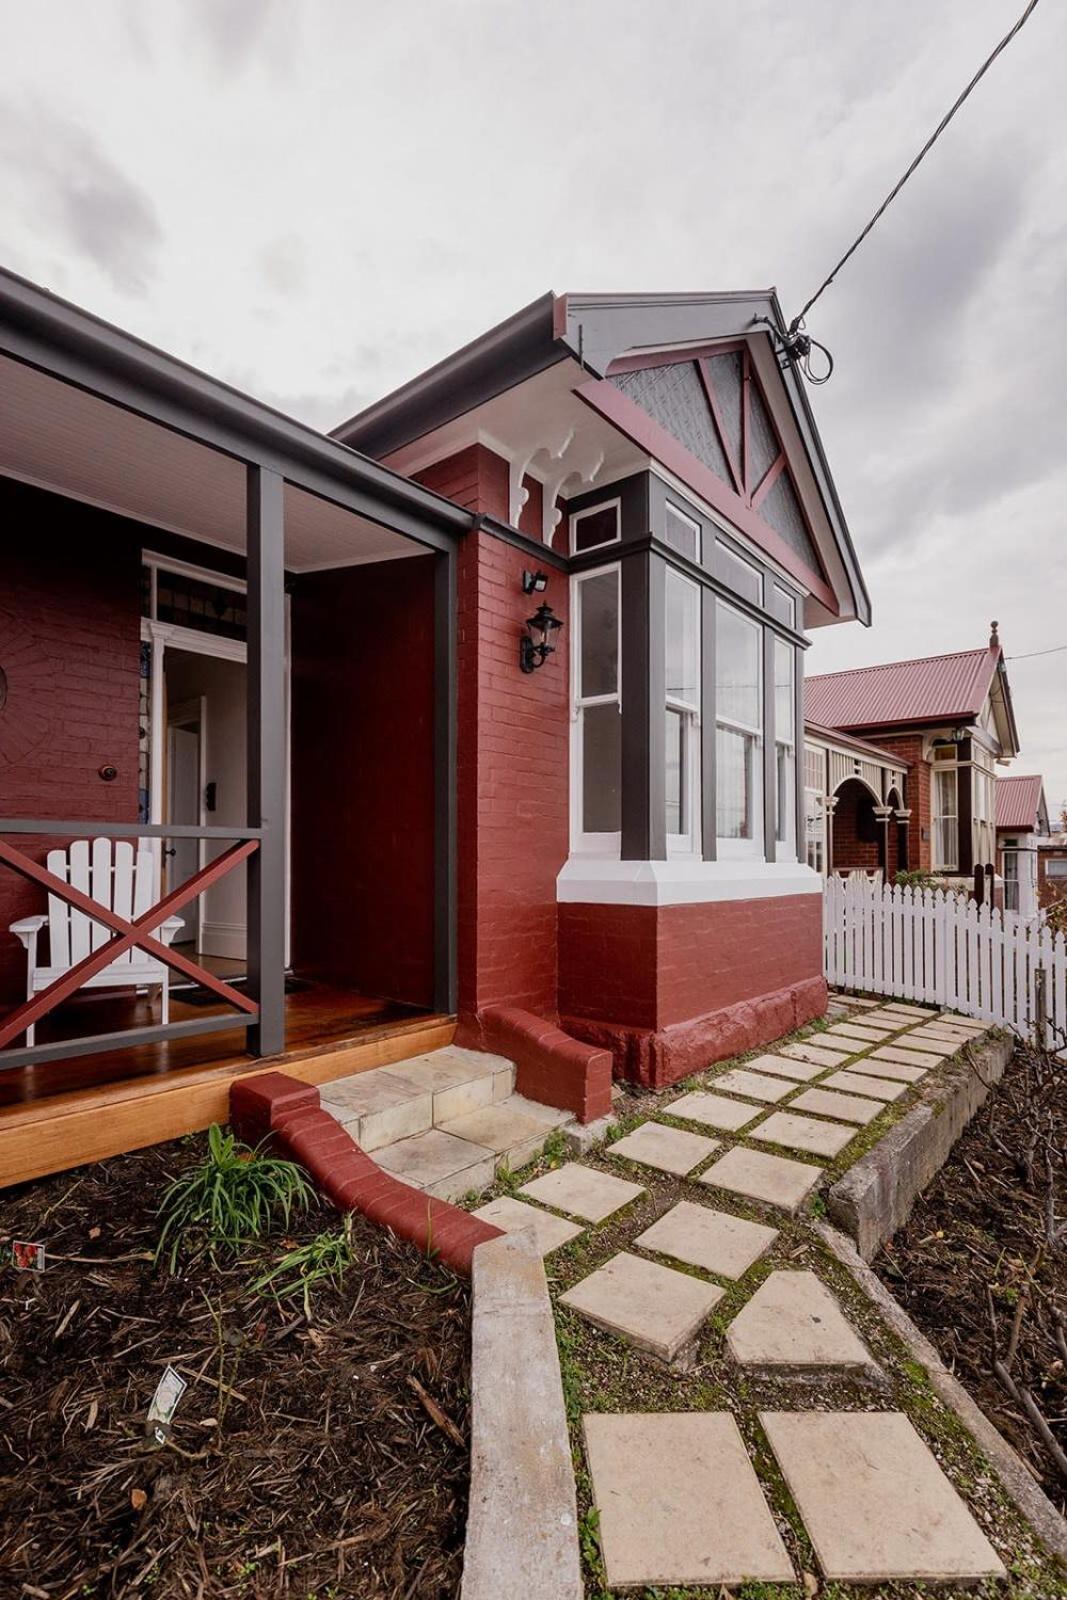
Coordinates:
(169, 928)
(28, 925)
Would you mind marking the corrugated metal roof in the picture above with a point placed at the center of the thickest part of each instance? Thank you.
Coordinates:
(932, 689)
(1018, 799)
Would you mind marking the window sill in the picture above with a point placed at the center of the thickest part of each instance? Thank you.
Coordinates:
(596, 881)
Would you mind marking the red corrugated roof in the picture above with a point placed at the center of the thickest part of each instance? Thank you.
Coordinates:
(1018, 799)
(933, 689)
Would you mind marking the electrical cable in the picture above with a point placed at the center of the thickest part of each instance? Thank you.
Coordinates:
(1028, 655)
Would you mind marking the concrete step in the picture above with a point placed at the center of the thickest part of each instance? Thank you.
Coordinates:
(465, 1153)
(411, 1097)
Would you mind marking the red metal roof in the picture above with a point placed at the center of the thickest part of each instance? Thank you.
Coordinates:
(891, 758)
(932, 689)
(1018, 800)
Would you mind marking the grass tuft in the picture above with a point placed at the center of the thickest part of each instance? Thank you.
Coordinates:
(234, 1194)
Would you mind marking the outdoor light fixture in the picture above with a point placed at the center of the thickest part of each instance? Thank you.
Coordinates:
(534, 646)
(534, 582)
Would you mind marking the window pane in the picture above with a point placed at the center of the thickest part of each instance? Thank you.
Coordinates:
(784, 606)
(599, 526)
(737, 668)
(786, 794)
(683, 639)
(738, 573)
(677, 821)
(784, 698)
(682, 534)
(599, 602)
(601, 769)
(734, 797)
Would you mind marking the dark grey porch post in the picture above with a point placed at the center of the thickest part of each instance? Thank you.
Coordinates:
(444, 760)
(266, 757)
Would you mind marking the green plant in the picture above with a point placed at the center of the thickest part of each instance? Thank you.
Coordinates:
(323, 1258)
(234, 1194)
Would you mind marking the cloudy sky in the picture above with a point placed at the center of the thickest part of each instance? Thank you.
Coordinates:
(314, 199)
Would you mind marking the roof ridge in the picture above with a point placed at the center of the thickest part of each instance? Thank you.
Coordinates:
(909, 661)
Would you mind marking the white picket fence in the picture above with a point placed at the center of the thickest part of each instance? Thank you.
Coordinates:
(920, 944)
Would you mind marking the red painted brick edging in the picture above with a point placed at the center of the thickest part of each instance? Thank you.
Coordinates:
(273, 1104)
(550, 1065)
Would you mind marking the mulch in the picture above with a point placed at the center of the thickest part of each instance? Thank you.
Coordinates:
(323, 1456)
(981, 1265)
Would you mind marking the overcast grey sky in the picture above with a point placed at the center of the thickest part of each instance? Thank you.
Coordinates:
(315, 199)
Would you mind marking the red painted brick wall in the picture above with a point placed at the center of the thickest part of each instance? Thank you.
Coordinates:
(362, 778)
(70, 649)
(1050, 890)
(909, 746)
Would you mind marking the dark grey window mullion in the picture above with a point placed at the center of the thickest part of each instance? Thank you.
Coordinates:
(657, 699)
(770, 754)
(799, 760)
(708, 737)
(635, 844)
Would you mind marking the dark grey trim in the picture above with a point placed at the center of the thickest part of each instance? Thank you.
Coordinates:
(266, 757)
(635, 616)
(657, 699)
(965, 861)
(708, 730)
(70, 344)
(799, 758)
(97, 1043)
(124, 830)
(444, 755)
(770, 753)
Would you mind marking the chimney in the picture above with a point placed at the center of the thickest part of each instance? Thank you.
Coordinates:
(994, 637)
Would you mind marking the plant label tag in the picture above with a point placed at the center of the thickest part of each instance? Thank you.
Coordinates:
(169, 1391)
(27, 1255)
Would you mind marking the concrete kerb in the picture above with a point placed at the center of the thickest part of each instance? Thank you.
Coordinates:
(522, 1522)
(1009, 1466)
(874, 1198)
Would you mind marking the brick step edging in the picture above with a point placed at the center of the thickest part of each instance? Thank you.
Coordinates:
(280, 1107)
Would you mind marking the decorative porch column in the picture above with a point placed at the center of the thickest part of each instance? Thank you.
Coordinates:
(903, 816)
(884, 813)
(829, 805)
(266, 756)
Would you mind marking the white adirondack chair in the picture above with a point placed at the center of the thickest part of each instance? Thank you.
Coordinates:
(121, 879)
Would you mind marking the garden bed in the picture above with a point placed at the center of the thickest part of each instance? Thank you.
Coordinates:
(981, 1265)
(320, 1454)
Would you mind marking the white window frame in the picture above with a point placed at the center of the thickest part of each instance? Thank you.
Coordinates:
(939, 817)
(688, 842)
(589, 511)
(785, 842)
(744, 849)
(691, 522)
(1013, 879)
(583, 843)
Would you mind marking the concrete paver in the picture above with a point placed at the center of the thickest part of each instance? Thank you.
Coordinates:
(905, 1057)
(930, 1044)
(794, 1132)
(856, 1032)
(679, 1502)
(907, 1010)
(650, 1306)
(511, 1215)
(757, 1086)
(715, 1241)
(785, 1067)
(846, 1107)
(853, 1081)
(793, 1324)
(874, 1501)
(582, 1191)
(758, 1175)
(672, 1150)
(902, 1071)
(713, 1110)
(819, 1054)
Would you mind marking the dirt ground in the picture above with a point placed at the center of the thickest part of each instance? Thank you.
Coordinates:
(313, 1457)
(982, 1264)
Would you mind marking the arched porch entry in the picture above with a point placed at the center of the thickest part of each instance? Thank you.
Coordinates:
(867, 832)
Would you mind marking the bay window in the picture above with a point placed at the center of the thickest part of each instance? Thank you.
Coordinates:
(682, 742)
(738, 732)
(597, 746)
(946, 820)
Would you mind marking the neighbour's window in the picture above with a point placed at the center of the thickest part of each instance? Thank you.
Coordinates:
(784, 746)
(682, 777)
(814, 830)
(741, 575)
(682, 533)
(1011, 880)
(597, 761)
(946, 820)
(738, 734)
(1056, 869)
(595, 527)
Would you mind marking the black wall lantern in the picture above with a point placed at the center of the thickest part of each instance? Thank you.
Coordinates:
(534, 646)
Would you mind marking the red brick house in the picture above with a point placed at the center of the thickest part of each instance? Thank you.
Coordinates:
(481, 717)
(936, 730)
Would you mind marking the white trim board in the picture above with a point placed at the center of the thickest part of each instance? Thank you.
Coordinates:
(596, 881)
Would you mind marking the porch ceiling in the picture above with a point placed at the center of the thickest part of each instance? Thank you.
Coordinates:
(78, 444)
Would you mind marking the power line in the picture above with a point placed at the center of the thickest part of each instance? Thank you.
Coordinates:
(1029, 654)
(927, 147)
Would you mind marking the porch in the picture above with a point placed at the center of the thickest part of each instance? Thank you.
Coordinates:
(227, 656)
(856, 818)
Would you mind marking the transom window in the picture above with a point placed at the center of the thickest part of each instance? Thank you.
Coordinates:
(682, 533)
(741, 575)
(595, 527)
(188, 598)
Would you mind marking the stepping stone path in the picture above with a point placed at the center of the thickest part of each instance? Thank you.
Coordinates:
(793, 1324)
(667, 1149)
(712, 1240)
(874, 1501)
(653, 1307)
(679, 1501)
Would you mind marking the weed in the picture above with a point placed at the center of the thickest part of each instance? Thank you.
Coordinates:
(322, 1259)
(236, 1193)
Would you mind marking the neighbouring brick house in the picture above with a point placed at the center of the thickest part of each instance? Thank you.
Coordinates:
(921, 797)
(1052, 870)
(498, 690)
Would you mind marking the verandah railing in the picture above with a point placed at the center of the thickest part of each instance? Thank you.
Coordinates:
(925, 945)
